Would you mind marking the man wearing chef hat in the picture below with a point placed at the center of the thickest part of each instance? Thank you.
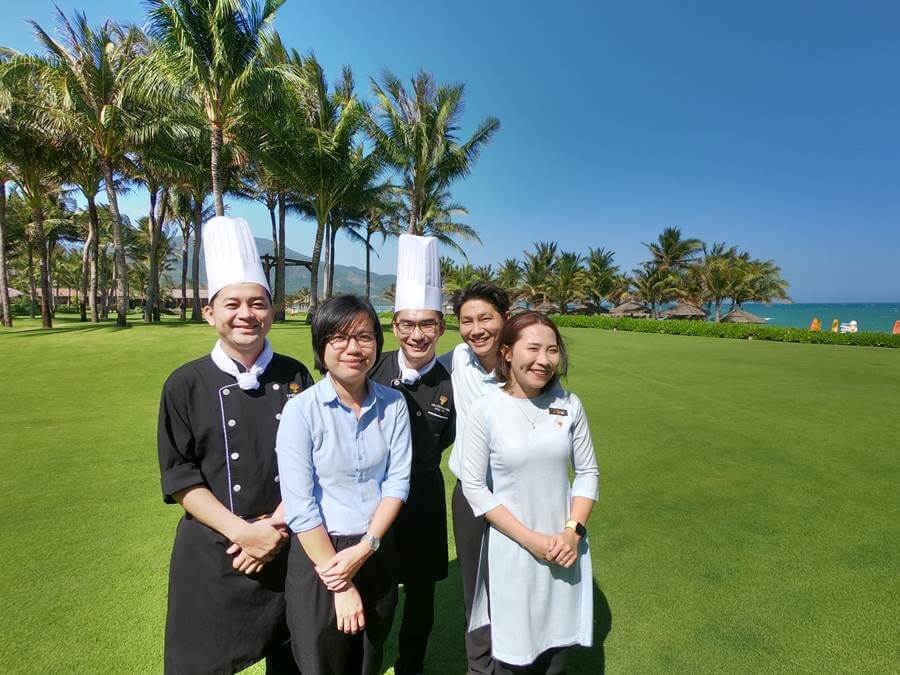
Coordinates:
(421, 527)
(217, 423)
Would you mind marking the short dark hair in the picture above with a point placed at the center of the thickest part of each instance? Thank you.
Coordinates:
(335, 315)
(512, 330)
(482, 290)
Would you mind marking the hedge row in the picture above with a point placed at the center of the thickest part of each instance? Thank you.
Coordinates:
(738, 331)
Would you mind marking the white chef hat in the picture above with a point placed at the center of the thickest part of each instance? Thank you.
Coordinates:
(229, 250)
(418, 274)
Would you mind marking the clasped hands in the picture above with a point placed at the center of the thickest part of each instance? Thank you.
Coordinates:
(559, 549)
(337, 574)
(257, 543)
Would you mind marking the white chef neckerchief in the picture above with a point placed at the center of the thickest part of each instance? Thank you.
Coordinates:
(409, 375)
(246, 380)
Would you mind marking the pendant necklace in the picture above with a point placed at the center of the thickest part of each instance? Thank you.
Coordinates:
(532, 422)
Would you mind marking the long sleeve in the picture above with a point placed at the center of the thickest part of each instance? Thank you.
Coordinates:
(179, 465)
(396, 480)
(475, 464)
(584, 461)
(295, 470)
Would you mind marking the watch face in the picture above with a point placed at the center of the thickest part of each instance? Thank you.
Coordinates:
(374, 542)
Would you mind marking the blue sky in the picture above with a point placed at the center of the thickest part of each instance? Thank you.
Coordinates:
(773, 126)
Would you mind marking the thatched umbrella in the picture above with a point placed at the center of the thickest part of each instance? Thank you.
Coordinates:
(740, 316)
(588, 308)
(685, 310)
(632, 309)
(547, 308)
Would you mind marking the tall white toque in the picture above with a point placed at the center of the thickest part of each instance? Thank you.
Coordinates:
(418, 274)
(229, 250)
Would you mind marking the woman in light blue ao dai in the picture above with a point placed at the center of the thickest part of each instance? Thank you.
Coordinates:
(519, 444)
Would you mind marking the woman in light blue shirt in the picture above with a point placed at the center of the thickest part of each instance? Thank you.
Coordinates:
(344, 455)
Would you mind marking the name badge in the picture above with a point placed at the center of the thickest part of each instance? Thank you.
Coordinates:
(558, 411)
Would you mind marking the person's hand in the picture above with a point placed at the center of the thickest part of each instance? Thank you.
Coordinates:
(260, 540)
(539, 545)
(343, 566)
(349, 609)
(246, 563)
(564, 548)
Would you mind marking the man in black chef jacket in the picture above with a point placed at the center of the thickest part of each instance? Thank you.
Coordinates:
(421, 528)
(217, 423)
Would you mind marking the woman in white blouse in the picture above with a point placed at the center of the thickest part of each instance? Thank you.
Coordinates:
(520, 441)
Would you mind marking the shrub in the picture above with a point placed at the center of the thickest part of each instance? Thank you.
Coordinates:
(738, 331)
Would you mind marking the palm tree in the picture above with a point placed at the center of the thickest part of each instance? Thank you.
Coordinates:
(32, 154)
(654, 286)
(600, 276)
(310, 145)
(4, 273)
(509, 275)
(379, 217)
(88, 72)
(567, 281)
(439, 220)
(671, 253)
(214, 49)
(536, 271)
(417, 132)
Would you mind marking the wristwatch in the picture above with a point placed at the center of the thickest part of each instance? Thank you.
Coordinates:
(580, 529)
(373, 541)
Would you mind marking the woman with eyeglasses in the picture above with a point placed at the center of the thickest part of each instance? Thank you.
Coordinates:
(344, 454)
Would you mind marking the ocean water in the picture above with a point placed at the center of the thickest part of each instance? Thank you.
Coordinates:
(869, 316)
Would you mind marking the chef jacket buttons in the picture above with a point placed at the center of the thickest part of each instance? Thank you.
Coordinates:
(231, 423)
(276, 479)
(276, 387)
(235, 455)
(226, 392)
(236, 488)
(418, 413)
(395, 383)
(277, 416)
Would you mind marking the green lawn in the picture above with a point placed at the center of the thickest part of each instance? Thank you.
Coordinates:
(749, 516)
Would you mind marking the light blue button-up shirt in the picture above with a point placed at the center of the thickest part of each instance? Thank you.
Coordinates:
(333, 468)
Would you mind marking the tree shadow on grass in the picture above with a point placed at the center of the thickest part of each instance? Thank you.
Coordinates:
(447, 646)
(64, 329)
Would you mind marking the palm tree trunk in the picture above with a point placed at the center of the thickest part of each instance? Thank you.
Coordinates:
(368, 265)
(118, 245)
(185, 233)
(152, 257)
(197, 310)
(215, 167)
(334, 231)
(279, 258)
(53, 296)
(85, 272)
(32, 285)
(94, 236)
(327, 243)
(41, 244)
(314, 264)
(4, 287)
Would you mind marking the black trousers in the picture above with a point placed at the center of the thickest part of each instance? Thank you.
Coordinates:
(469, 532)
(550, 662)
(415, 627)
(319, 647)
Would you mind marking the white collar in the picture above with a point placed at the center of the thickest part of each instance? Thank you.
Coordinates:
(249, 379)
(410, 375)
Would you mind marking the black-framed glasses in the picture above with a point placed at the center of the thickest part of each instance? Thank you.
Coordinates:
(427, 326)
(342, 340)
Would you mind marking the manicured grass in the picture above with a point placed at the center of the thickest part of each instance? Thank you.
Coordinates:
(748, 518)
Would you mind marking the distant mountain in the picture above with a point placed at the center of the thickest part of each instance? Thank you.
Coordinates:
(346, 279)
